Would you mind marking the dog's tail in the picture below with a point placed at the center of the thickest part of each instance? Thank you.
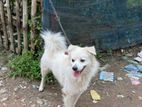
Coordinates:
(53, 41)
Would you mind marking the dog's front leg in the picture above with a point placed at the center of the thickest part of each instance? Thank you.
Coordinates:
(70, 100)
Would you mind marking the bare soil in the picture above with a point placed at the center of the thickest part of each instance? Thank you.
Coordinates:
(20, 92)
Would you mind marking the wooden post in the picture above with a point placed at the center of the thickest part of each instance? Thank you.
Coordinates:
(25, 24)
(18, 26)
(1, 42)
(33, 14)
(10, 26)
(3, 25)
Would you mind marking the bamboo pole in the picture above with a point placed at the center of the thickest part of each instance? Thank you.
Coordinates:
(25, 23)
(10, 26)
(18, 26)
(3, 25)
(0, 41)
(33, 14)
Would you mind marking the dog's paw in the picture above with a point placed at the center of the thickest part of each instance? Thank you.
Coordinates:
(40, 89)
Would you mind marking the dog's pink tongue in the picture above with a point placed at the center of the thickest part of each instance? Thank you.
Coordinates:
(76, 73)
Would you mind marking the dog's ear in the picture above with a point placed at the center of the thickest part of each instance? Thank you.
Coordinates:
(71, 47)
(91, 50)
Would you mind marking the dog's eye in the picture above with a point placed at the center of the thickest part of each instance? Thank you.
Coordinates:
(73, 60)
(82, 60)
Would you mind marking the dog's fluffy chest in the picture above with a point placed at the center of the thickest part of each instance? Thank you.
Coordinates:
(74, 86)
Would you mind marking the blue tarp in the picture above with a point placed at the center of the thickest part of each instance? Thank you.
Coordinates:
(108, 24)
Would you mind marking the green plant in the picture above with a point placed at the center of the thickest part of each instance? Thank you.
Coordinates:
(27, 65)
(37, 25)
(109, 52)
(99, 55)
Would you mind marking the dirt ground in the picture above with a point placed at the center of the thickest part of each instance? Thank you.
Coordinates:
(20, 92)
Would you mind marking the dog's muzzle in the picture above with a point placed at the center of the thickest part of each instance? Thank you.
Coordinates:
(76, 72)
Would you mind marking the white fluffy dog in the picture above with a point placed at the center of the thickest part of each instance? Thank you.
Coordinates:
(73, 67)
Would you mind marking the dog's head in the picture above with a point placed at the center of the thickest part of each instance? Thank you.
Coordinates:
(80, 58)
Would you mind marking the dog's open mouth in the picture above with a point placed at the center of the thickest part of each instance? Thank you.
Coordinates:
(78, 73)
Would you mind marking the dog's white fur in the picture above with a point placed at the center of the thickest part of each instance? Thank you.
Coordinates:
(62, 60)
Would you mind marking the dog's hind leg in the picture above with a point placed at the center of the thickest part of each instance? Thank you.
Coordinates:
(44, 72)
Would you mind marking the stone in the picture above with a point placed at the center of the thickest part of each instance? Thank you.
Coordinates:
(40, 101)
(4, 68)
(120, 96)
(23, 100)
(119, 78)
(1, 83)
(33, 105)
(16, 89)
(35, 86)
(4, 104)
(22, 87)
(3, 90)
(55, 94)
(4, 99)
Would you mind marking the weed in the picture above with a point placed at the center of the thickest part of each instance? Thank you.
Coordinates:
(110, 52)
(27, 65)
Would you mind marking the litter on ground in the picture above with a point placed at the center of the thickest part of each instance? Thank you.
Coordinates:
(106, 76)
(129, 61)
(120, 96)
(135, 81)
(130, 68)
(134, 75)
(95, 96)
(139, 57)
(134, 70)
(140, 54)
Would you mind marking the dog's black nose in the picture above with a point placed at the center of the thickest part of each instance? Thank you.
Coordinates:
(74, 68)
